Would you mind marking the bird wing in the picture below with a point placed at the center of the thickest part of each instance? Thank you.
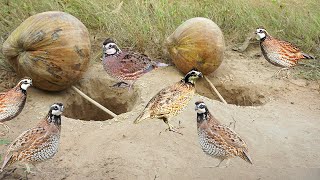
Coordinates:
(229, 136)
(26, 139)
(30, 139)
(171, 100)
(133, 63)
(225, 138)
(287, 46)
(2, 99)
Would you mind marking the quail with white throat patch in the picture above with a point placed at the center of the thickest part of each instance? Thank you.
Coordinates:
(37, 144)
(279, 53)
(12, 102)
(171, 100)
(126, 66)
(217, 140)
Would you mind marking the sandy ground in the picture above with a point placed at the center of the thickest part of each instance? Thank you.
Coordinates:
(278, 118)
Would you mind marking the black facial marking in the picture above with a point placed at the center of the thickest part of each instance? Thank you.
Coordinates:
(107, 41)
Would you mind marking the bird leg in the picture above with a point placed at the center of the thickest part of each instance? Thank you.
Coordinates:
(279, 71)
(6, 127)
(28, 169)
(171, 127)
(121, 84)
(180, 127)
(234, 123)
(221, 160)
(130, 86)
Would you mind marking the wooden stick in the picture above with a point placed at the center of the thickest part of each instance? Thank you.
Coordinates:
(215, 90)
(94, 102)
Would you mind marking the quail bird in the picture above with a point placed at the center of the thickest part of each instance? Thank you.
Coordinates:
(217, 140)
(37, 144)
(171, 100)
(12, 102)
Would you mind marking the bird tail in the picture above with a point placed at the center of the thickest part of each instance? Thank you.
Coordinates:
(142, 116)
(245, 156)
(154, 66)
(307, 56)
(7, 162)
(160, 64)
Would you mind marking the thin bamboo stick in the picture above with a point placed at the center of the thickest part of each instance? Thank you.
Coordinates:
(93, 102)
(215, 90)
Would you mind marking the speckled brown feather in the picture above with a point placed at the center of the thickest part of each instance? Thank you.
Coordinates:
(220, 141)
(128, 66)
(168, 102)
(11, 103)
(32, 146)
(281, 53)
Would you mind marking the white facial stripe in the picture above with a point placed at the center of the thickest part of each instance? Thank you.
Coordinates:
(261, 33)
(260, 29)
(201, 104)
(111, 51)
(24, 86)
(56, 112)
(196, 72)
(110, 44)
(200, 111)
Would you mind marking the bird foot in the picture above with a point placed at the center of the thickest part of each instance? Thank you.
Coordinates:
(28, 170)
(180, 127)
(278, 73)
(3, 133)
(121, 85)
(215, 166)
(6, 127)
(171, 128)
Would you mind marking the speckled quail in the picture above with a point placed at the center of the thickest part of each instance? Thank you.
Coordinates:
(12, 102)
(39, 143)
(126, 66)
(217, 140)
(279, 53)
(171, 100)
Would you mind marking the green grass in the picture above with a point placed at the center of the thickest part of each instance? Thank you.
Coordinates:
(3, 142)
(144, 24)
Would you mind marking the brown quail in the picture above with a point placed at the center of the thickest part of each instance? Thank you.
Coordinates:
(279, 53)
(126, 66)
(217, 140)
(171, 100)
(12, 102)
(37, 144)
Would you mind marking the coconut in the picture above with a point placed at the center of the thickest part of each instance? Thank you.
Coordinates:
(53, 48)
(196, 43)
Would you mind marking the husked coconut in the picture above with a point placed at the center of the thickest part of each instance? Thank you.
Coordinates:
(196, 43)
(53, 48)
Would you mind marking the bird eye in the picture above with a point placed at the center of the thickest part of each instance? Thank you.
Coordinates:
(201, 106)
(110, 46)
(55, 108)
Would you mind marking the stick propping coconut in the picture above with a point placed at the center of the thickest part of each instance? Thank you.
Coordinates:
(93, 102)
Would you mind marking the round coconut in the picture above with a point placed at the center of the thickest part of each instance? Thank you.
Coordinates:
(53, 48)
(197, 43)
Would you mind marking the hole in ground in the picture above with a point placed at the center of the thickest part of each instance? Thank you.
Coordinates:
(238, 95)
(117, 100)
